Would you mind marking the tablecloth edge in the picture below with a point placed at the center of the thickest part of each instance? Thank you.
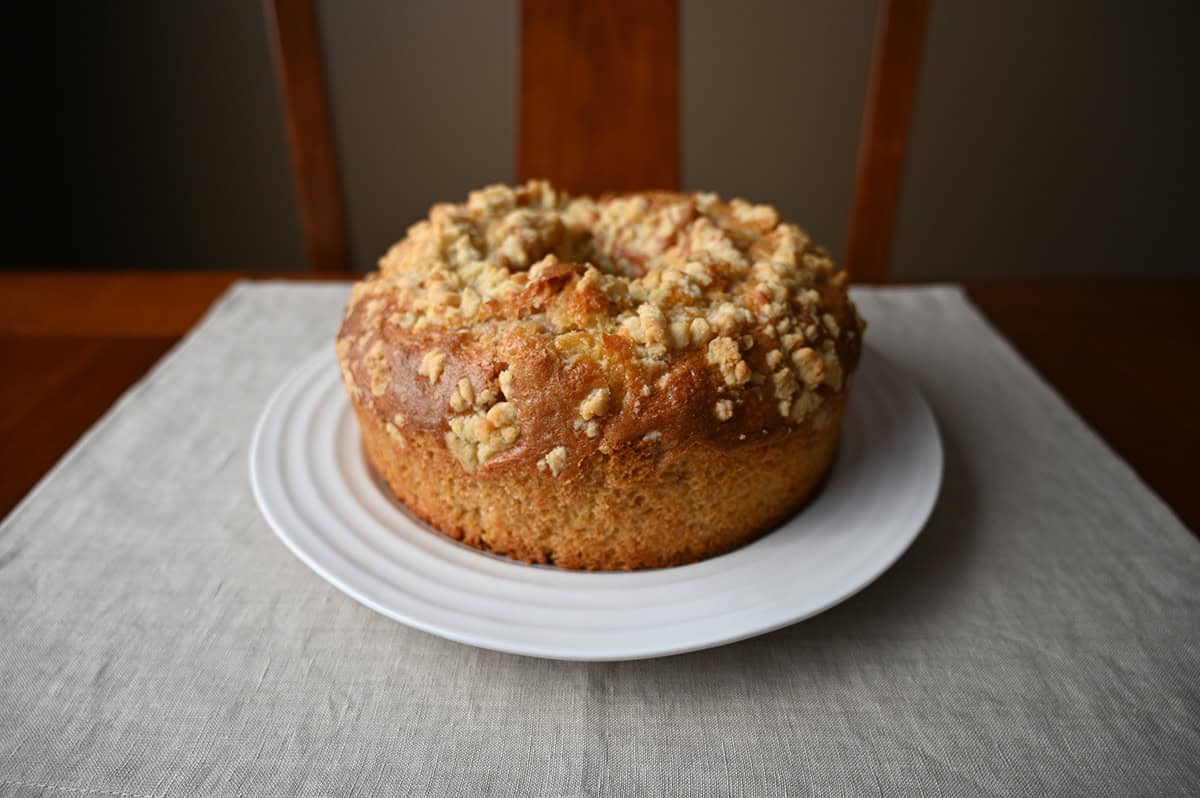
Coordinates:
(1054, 401)
(188, 339)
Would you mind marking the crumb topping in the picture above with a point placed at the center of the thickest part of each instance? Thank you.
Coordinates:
(555, 460)
(506, 383)
(723, 353)
(596, 404)
(379, 368)
(636, 284)
(431, 365)
(484, 426)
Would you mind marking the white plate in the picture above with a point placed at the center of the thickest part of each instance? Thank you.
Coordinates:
(316, 490)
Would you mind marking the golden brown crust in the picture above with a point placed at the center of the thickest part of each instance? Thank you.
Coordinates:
(527, 337)
(644, 507)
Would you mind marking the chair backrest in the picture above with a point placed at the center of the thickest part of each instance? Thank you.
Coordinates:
(296, 45)
(599, 94)
(883, 138)
(599, 111)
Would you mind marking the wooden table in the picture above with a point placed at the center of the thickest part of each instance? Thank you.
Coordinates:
(1125, 354)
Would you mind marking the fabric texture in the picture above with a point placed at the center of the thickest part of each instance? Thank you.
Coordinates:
(156, 639)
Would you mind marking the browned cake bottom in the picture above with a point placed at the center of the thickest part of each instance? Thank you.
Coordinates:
(629, 510)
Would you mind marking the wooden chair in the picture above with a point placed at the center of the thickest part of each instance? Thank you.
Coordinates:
(580, 59)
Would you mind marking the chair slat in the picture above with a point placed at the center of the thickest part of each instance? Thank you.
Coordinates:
(599, 94)
(296, 46)
(891, 91)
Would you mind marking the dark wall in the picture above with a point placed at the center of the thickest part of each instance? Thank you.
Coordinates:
(1049, 138)
(424, 98)
(772, 100)
(1055, 138)
(149, 135)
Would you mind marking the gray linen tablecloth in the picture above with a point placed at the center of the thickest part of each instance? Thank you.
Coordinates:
(156, 639)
